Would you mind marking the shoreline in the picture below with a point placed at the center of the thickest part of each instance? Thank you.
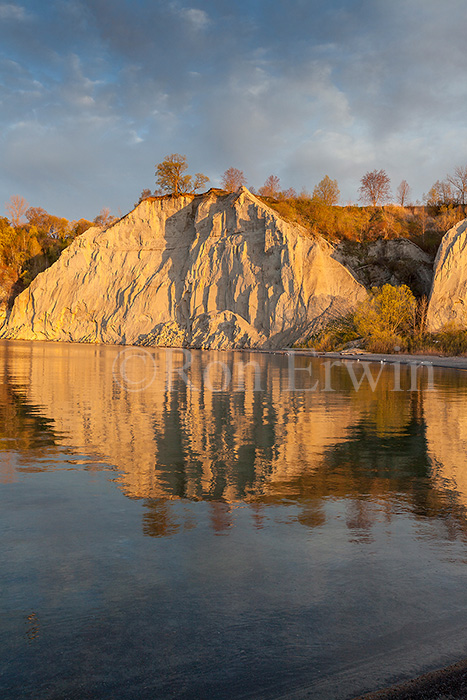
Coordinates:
(447, 683)
(449, 362)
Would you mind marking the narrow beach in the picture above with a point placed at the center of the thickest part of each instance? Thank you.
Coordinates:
(449, 683)
(459, 362)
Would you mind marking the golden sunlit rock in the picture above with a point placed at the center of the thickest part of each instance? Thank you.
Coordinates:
(212, 271)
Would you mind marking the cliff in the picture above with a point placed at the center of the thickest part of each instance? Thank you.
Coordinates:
(210, 271)
(448, 297)
(388, 261)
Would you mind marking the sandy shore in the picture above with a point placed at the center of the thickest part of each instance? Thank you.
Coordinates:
(434, 360)
(448, 683)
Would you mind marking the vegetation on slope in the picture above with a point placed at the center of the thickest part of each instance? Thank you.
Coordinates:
(423, 225)
(390, 320)
(30, 241)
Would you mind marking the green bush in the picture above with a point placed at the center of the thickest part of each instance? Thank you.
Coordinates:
(386, 318)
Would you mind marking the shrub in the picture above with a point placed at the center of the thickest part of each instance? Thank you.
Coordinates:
(335, 335)
(387, 312)
(451, 340)
(385, 320)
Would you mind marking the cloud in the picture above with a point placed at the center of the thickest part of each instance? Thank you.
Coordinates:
(9, 11)
(91, 88)
(198, 19)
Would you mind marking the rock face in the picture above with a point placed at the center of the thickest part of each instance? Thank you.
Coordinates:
(448, 299)
(210, 271)
(397, 261)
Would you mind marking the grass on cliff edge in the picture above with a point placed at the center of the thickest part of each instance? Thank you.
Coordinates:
(389, 320)
(424, 226)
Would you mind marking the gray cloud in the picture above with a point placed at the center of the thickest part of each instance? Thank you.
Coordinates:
(94, 93)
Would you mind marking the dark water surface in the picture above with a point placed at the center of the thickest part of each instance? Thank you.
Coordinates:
(226, 536)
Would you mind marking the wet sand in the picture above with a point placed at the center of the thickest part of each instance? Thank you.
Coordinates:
(449, 683)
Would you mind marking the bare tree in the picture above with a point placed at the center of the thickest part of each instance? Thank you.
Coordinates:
(271, 187)
(171, 176)
(16, 208)
(327, 192)
(289, 193)
(459, 183)
(233, 179)
(403, 193)
(375, 188)
(104, 218)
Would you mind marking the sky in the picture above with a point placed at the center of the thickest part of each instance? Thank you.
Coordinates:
(94, 93)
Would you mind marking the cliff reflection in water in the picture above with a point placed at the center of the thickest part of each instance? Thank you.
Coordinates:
(377, 451)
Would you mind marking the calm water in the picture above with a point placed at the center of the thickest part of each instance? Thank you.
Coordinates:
(169, 533)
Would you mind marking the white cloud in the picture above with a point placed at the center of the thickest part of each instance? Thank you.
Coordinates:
(135, 137)
(13, 12)
(198, 19)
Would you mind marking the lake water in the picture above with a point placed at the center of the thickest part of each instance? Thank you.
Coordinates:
(185, 525)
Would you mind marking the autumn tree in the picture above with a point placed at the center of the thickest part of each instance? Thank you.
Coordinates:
(233, 179)
(144, 195)
(37, 216)
(375, 188)
(441, 194)
(458, 181)
(271, 187)
(289, 193)
(326, 192)
(79, 227)
(16, 247)
(172, 178)
(199, 182)
(54, 226)
(16, 208)
(403, 193)
(7, 236)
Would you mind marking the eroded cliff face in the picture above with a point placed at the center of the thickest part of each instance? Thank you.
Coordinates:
(397, 261)
(211, 271)
(448, 299)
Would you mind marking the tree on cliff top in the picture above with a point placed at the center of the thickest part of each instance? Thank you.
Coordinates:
(271, 187)
(172, 178)
(233, 179)
(403, 193)
(375, 188)
(441, 194)
(459, 183)
(327, 192)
